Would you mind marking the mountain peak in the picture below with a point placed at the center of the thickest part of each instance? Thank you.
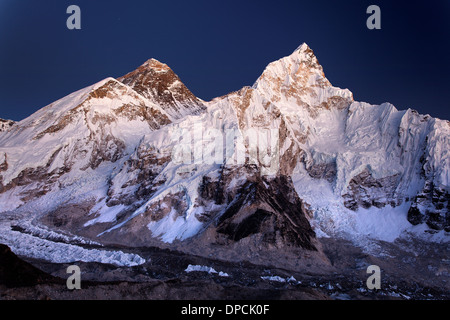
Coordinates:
(157, 82)
(304, 54)
(155, 65)
(301, 60)
(299, 78)
(296, 69)
(303, 47)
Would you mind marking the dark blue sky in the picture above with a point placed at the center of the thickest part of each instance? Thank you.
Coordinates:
(219, 46)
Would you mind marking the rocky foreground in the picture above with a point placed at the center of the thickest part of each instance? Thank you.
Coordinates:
(165, 276)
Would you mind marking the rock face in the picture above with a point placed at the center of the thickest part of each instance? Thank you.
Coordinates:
(141, 159)
(15, 272)
(431, 205)
(6, 124)
(366, 191)
(270, 208)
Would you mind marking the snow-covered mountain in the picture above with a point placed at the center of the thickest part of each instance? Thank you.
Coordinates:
(141, 160)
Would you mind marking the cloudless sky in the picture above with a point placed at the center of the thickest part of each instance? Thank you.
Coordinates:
(220, 46)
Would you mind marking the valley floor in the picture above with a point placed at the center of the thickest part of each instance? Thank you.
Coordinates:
(421, 275)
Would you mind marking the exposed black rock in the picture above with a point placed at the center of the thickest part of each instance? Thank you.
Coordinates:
(14, 272)
(325, 171)
(366, 191)
(415, 217)
(269, 207)
(6, 124)
(437, 204)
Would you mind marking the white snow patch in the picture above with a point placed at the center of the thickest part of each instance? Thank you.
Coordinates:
(290, 280)
(170, 228)
(385, 224)
(274, 278)
(210, 270)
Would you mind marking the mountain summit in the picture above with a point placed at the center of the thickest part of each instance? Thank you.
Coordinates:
(299, 80)
(158, 83)
(141, 161)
